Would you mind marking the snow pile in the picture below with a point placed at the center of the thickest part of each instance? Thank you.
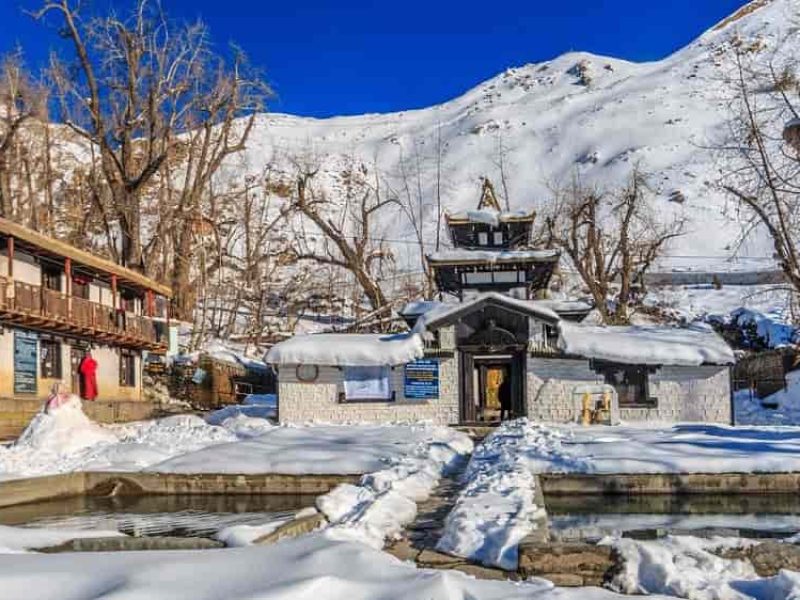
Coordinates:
(646, 344)
(254, 406)
(347, 349)
(761, 330)
(23, 539)
(385, 501)
(313, 567)
(751, 410)
(496, 508)
(63, 430)
(685, 567)
(65, 439)
(237, 536)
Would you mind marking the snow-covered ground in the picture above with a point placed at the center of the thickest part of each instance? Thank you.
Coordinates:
(751, 410)
(496, 507)
(67, 440)
(685, 567)
(683, 448)
(314, 567)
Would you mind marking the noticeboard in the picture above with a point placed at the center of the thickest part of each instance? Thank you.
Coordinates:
(421, 380)
(25, 362)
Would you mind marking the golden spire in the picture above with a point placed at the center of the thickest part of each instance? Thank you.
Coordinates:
(488, 197)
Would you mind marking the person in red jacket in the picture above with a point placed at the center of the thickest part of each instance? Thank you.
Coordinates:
(88, 376)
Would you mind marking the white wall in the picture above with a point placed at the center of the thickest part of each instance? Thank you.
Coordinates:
(683, 394)
(300, 402)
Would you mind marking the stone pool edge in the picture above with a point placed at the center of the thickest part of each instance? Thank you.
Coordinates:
(108, 483)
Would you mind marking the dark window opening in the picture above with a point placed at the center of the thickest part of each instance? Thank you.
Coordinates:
(51, 278)
(128, 300)
(629, 381)
(127, 369)
(50, 359)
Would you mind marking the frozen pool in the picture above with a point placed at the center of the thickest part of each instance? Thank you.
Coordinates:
(589, 518)
(158, 515)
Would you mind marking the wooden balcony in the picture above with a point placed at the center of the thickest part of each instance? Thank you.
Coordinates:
(37, 307)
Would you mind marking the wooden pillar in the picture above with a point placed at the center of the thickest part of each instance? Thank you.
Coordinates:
(8, 292)
(113, 302)
(10, 251)
(149, 303)
(68, 286)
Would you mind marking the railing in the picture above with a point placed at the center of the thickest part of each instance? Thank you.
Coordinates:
(37, 301)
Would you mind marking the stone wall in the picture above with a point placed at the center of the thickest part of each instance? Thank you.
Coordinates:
(681, 393)
(300, 402)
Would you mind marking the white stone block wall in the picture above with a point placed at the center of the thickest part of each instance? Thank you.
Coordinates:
(300, 402)
(700, 394)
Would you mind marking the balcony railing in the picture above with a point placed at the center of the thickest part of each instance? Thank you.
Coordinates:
(59, 311)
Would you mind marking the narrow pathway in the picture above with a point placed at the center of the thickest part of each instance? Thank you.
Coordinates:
(418, 542)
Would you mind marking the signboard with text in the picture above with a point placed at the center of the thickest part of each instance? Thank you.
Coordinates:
(25, 362)
(421, 379)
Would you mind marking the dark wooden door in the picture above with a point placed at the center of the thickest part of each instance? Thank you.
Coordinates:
(467, 389)
(519, 367)
(75, 357)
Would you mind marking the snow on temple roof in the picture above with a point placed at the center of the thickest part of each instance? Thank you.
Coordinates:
(347, 349)
(646, 345)
(442, 313)
(489, 216)
(419, 307)
(491, 256)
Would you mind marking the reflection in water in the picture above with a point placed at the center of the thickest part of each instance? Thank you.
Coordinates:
(591, 517)
(180, 515)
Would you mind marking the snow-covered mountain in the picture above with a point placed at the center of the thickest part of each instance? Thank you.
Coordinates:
(578, 113)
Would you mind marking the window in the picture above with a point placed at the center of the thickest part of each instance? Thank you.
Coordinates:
(50, 359)
(51, 278)
(128, 301)
(366, 383)
(127, 369)
(498, 238)
(307, 373)
(630, 383)
(483, 238)
(80, 287)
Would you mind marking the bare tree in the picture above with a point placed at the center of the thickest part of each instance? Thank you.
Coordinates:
(761, 155)
(612, 239)
(22, 99)
(501, 162)
(347, 222)
(138, 86)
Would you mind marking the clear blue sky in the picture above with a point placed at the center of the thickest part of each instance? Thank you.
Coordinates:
(348, 57)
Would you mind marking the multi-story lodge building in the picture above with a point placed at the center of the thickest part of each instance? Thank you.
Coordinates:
(57, 301)
(499, 329)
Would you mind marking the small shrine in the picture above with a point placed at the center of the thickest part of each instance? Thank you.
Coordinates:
(492, 252)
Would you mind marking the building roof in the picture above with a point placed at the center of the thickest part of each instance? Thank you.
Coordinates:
(646, 344)
(347, 349)
(471, 257)
(58, 248)
(445, 314)
(488, 216)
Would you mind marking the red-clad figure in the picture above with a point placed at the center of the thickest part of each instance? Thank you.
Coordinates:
(88, 379)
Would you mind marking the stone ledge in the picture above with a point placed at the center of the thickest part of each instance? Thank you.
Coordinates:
(671, 483)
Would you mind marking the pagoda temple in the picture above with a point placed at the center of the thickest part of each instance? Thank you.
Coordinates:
(492, 252)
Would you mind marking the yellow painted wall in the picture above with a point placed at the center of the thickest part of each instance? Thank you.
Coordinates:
(107, 372)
